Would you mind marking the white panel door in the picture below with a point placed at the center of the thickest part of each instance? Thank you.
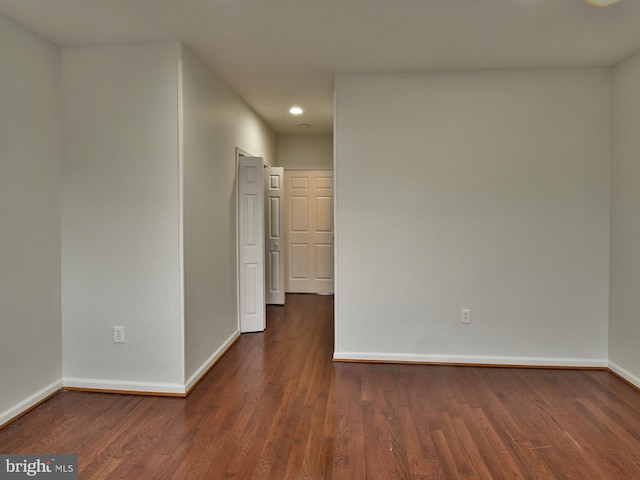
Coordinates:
(309, 231)
(274, 244)
(251, 244)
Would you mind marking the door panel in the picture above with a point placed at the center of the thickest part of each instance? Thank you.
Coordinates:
(324, 183)
(274, 218)
(309, 231)
(324, 214)
(250, 281)
(324, 262)
(251, 244)
(299, 261)
(299, 214)
(298, 183)
(274, 266)
(274, 244)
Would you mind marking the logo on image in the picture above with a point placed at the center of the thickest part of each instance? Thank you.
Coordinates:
(53, 467)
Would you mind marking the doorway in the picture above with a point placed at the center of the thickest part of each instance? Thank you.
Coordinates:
(308, 226)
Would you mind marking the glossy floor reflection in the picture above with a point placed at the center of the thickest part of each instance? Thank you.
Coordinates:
(277, 407)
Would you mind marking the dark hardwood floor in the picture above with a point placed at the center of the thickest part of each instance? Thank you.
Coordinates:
(277, 407)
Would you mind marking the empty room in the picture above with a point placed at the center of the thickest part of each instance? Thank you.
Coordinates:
(198, 200)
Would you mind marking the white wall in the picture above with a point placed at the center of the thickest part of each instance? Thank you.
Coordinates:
(30, 150)
(480, 190)
(120, 217)
(216, 121)
(306, 151)
(624, 329)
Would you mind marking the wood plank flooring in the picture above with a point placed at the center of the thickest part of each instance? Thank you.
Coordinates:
(277, 407)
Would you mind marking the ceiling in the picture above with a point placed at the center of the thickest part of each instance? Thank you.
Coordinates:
(277, 53)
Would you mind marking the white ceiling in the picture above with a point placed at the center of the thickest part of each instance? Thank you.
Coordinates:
(277, 53)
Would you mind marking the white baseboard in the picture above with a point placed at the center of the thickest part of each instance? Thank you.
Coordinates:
(469, 359)
(626, 374)
(124, 386)
(152, 388)
(215, 356)
(29, 402)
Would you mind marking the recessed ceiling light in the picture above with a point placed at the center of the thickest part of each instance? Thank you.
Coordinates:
(295, 110)
(602, 3)
(304, 125)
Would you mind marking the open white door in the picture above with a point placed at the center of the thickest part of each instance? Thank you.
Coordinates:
(274, 259)
(251, 244)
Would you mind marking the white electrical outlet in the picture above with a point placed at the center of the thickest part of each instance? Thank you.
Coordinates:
(465, 315)
(118, 334)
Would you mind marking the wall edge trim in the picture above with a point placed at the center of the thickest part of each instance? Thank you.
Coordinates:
(624, 375)
(206, 367)
(29, 403)
(471, 360)
(123, 386)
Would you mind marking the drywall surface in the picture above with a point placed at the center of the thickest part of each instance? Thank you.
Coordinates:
(624, 328)
(215, 122)
(307, 151)
(120, 217)
(30, 155)
(479, 190)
